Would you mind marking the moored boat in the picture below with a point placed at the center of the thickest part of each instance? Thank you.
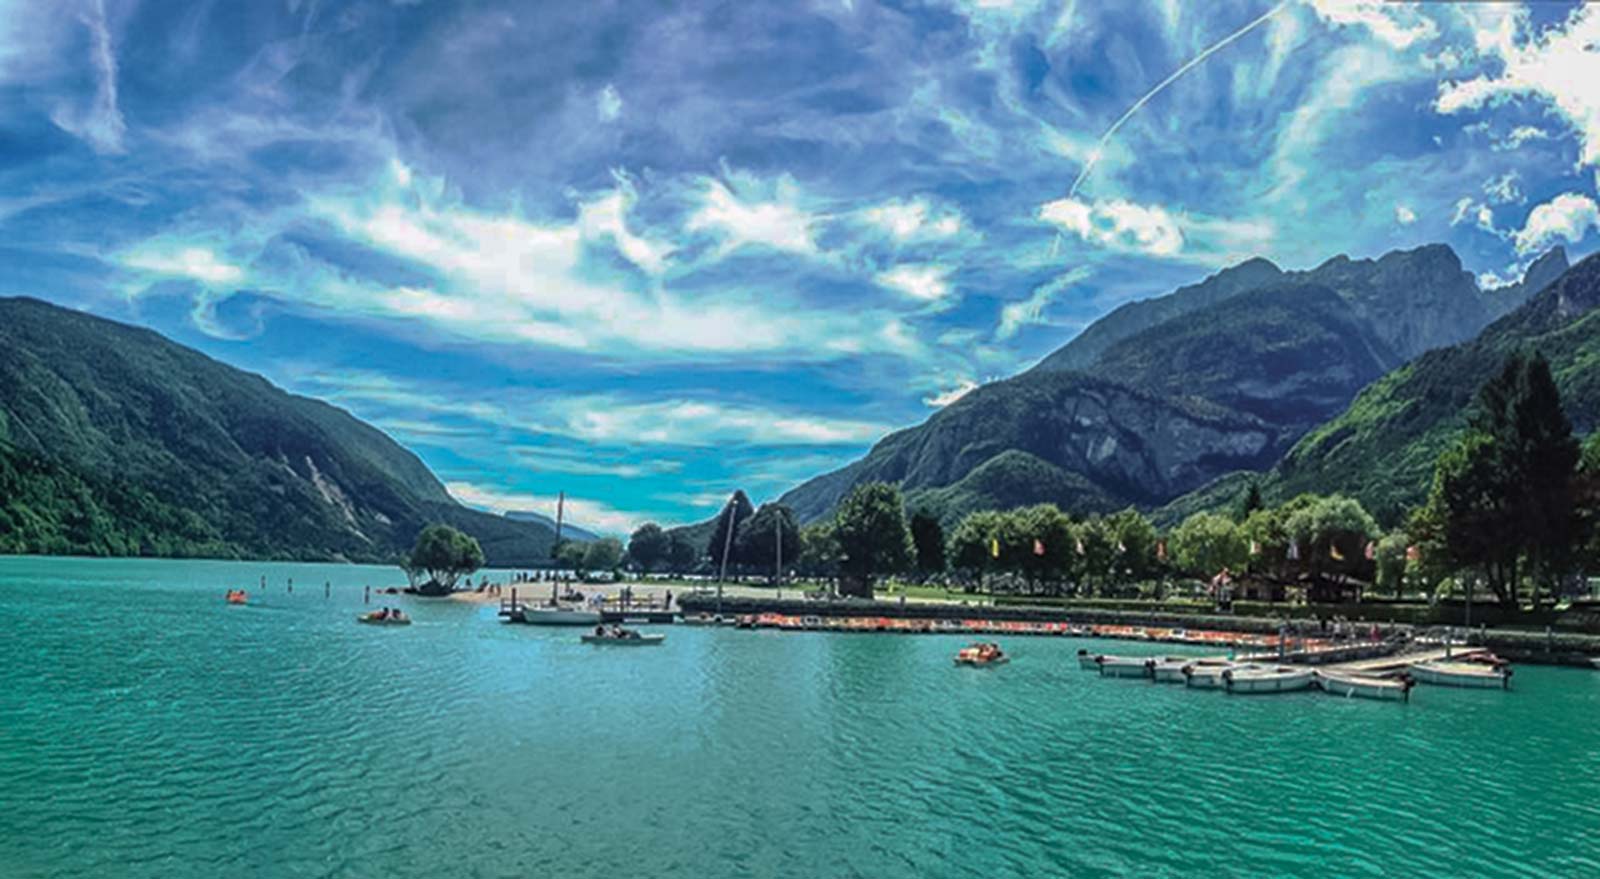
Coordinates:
(982, 654)
(1087, 661)
(1364, 686)
(544, 615)
(1125, 666)
(1170, 669)
(237, 596)
(703, 619)
(626, 638)
(1267, 679)
(1462, 674)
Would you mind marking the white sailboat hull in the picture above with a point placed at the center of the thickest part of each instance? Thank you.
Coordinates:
(559, 616)
(1362, 687)
(1461, 675)
(1273, 681)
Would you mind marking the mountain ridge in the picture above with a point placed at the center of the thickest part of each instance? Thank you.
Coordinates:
(138, 425)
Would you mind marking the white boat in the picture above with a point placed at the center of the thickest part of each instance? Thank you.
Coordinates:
(544, 615)
(1170, 670)
(1207, 675)
(1350, 685)
(1267, 680)
(1125, 666)
(1086, 660)
(703, 619)
(1462, 674)
(630, 640)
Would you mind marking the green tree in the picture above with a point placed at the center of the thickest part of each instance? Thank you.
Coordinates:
(927, 535)
(604, 554)
(1391, 562)
(1331, 534)
(1134, 540)
(683, 556)
(1044, 543)
(572, 556)
(970, 542)
(734, 513)
(819, 550)
(1096, 548)
(445, 555)
(1207, 543)
(1249, 502)
(649, 546)
(757, 541)
(1503, 497)
(870, 526)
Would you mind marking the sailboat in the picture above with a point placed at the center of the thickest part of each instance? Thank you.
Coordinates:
(554, 614)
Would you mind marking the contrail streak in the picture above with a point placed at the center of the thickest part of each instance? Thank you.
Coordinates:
(1094, 155)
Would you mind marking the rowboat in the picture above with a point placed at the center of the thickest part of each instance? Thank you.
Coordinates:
(559, 616)
(1267, 680)
(1462, 674)
(373, 619)
(1170, 670)
(1124, 666)
(1088, 661)
(1206, 676)
(1350, 685)
(237, 596)
(633, 639)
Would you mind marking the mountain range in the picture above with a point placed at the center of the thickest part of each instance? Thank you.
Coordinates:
(117, 441)
(1163, 396)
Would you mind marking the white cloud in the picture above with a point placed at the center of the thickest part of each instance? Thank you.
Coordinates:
(1397, 25)
(926, 283)
(1521, 135)
(584, 513)
(1015, 315)
(1568, 216)
(699, 423)
(606, 216)
(1560, 66)
(1504, 189)
(1403, 215)
(779, 223)
(946, 397)
(1475, 212)
(1117, 225)
(100, 124)
(913, 220)
(600, 418)
(608, 104)
(190, 262)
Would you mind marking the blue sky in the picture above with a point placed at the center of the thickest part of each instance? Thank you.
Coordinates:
(648, 253)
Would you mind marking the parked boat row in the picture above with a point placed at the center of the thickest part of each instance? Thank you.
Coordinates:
(1259, 677)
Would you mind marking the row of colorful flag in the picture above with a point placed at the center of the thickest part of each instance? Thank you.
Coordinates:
(1292, 552)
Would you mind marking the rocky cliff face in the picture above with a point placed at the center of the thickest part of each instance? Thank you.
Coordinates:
(1122, 445)
(1134, 317)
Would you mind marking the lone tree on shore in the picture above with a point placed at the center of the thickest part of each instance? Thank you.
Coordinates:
(445, 555)
(871, 530)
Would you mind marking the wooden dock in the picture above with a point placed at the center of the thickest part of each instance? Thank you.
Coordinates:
(1387, 665)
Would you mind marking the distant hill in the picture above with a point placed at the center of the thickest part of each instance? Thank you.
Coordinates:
(117, 441)
(1162, 396)
(569, 531)
(1383, 447)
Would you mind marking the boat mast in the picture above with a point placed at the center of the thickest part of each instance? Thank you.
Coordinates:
(727, 545)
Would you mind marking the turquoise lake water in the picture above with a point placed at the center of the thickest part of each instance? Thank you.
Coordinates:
(148, 730)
